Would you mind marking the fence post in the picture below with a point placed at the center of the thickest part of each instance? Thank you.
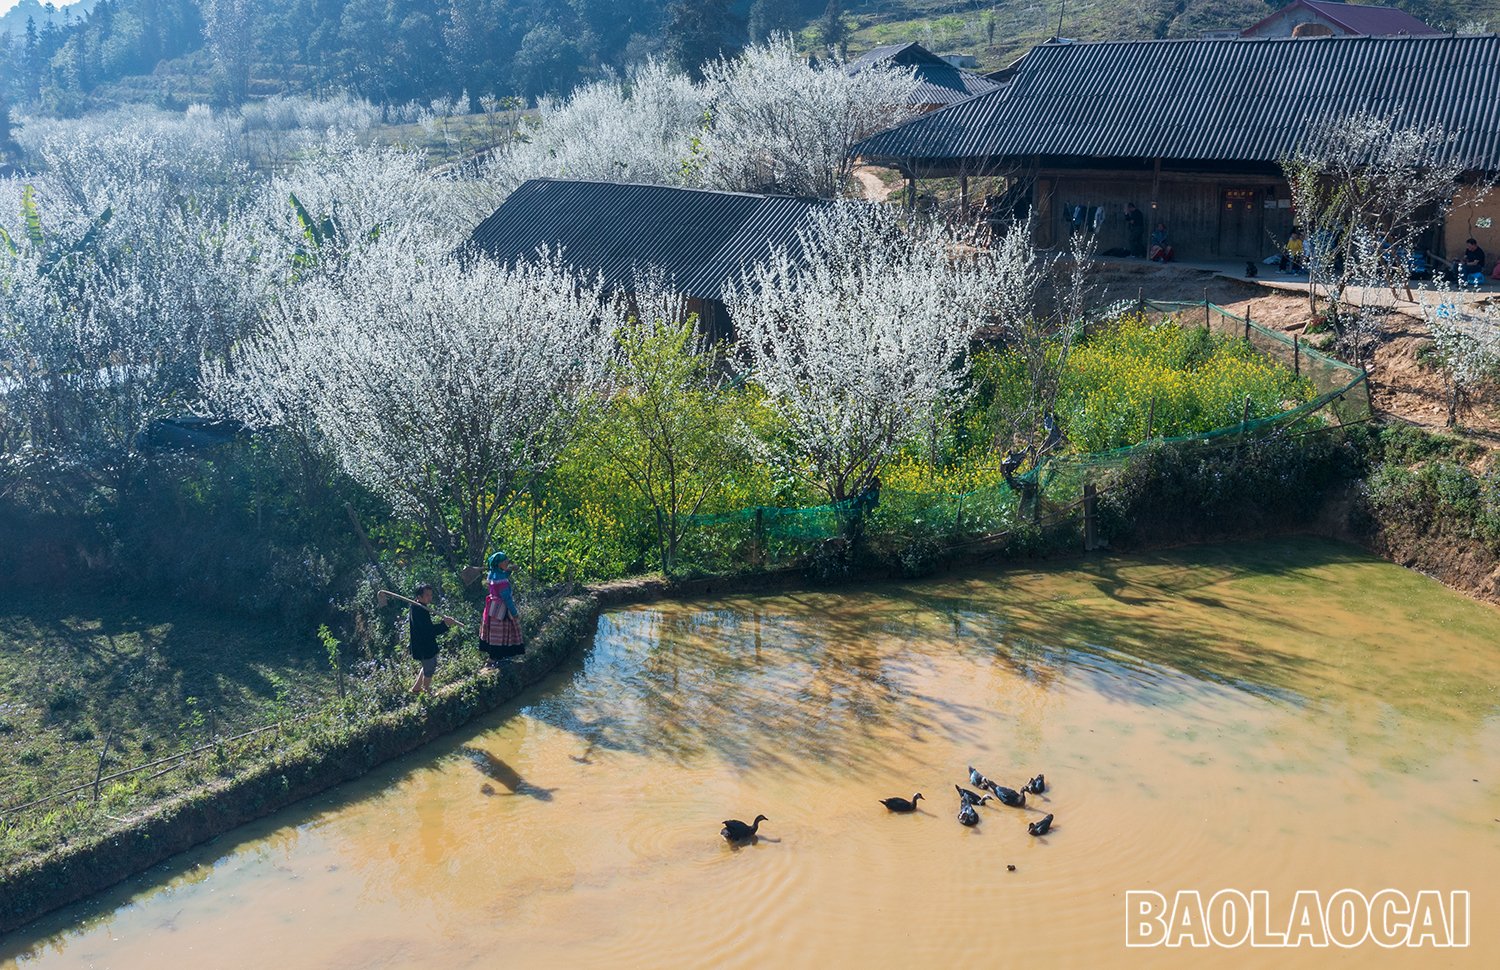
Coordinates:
(1247, 323)
(1207, 320)
(1296, 355)
(1090, 517)
(1245, 417)
(1140, 299)
(1151, 420)
(760, 534)
(99, 771)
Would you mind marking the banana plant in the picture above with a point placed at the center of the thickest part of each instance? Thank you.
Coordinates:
(323, 237)
(37, 239)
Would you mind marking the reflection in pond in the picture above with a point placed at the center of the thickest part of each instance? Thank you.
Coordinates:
(492, 767)
(1280, 716)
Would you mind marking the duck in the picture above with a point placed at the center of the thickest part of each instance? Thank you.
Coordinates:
(1036, 785)
(736, 831)
(897, 804)
(1040, 826)
(1008, 796)
(978, 780)
(972, 798)
(967, 815)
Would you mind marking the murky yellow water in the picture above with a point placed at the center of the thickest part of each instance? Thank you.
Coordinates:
(1281, 716)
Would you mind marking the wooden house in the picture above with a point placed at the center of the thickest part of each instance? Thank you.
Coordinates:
(1191, 131)
(702, 241)
(939, 81)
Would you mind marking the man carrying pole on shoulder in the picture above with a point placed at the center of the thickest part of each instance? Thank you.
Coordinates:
(424, 637)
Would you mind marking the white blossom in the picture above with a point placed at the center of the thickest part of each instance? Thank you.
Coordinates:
(783, 125)
(861, 341)
(440, 387)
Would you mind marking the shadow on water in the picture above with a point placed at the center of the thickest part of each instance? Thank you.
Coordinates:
(497, 770)
(756, 687)
(775, 682)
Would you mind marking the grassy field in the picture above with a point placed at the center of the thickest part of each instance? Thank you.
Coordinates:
(151, 677)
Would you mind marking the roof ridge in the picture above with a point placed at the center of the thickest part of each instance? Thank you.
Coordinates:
(675, 188)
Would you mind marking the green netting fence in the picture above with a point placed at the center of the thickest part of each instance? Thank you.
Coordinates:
(919, 523)
(1345, 386)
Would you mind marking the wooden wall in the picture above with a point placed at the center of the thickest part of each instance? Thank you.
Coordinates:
(1208, 217)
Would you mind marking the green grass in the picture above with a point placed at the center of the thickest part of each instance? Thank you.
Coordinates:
(152, 677)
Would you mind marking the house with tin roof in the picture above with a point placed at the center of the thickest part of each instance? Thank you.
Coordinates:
(1191, 131)
(1312, 18)
(939, 82)
(701, 240)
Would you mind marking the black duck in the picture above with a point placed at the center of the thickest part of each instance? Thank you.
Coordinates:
(736, 831)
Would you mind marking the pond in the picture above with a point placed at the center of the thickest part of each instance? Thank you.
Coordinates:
(1279, 716)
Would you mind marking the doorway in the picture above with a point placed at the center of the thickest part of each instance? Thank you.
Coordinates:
(1240, 223)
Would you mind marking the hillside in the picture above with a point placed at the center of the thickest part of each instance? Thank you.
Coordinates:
(996, 32)
(397, 51)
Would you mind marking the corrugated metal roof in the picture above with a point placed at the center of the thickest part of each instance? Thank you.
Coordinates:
(1356, 19)
(701, 239)
(938, 82)
(1246, 100)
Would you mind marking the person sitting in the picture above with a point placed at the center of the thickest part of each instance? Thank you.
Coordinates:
(1471, 263)
(1291, 256)
(1161, 248)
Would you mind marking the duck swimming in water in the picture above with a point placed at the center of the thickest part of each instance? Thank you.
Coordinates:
(978, 780)
(1036, 785)
(1040, 826)
(736, 831)
(901, 804)
(967, 815)
(972, 798)
(1008, 796)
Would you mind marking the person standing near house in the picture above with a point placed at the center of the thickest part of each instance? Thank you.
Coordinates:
(424, 630)
(500, 630)
(1135, 230)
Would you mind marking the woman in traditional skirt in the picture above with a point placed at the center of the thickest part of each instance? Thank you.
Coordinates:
(500, 631)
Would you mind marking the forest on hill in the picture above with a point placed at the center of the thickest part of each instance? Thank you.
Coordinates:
(176, 52)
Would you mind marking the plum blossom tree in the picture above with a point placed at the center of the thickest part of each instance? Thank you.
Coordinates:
(1365, 189)
(861, 341)
(781, 124)
(1468, 344)
(640, 130)
(766, 120)
(441, 387)
(119, 268)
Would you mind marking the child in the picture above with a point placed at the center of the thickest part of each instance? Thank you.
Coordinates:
(424, 634)
(500, 632)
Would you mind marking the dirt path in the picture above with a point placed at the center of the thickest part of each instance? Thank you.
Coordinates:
(870, 184)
